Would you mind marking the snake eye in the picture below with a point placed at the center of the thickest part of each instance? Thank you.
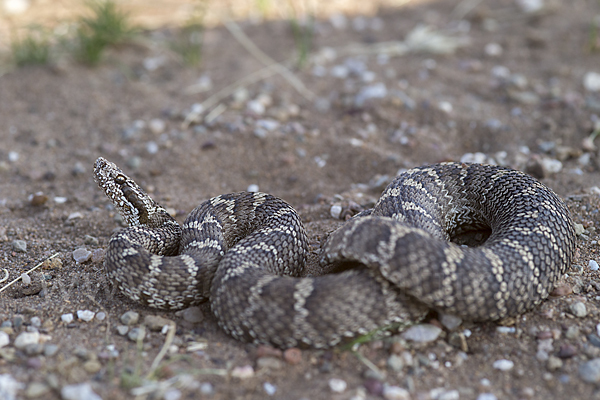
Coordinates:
(120, 179)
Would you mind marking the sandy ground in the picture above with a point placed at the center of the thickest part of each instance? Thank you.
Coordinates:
(515, 92)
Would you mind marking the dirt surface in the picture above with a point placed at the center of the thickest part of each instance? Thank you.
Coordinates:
(339, 148)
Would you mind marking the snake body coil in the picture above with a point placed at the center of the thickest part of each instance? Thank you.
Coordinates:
(245, 251)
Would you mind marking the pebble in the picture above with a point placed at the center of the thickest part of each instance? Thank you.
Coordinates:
(244, 372)
(422, 333)
(292, 356)
(593, 265)
(155, 323)
(13, 156)
(67, 318)
(20, 246)
(506, 329)
(27, 338)
(92, 366)
(130, 318)
(253, 188)
(450, 321)
(136, 334)
(157, 126)
(374, 91)
(551, 166)
(81, 255)
(493, 49)
(337, 385)
(374, 386)
(578, 309)
(269, 388)
(85, 315)
(152, 147)
(590, 371)
(193, 315)
(82, 391)
(98, 255)
(572, 332)
(395, 393)
(554, 363)
(503, 365)
(335, 211)
(9, 387)
(26, 279)
(36, 389)
(101, 316)
(487, 396)
(122, 330)
(50, 349)
(172, 394)
(591, 81)
(207, 389)
(4, 339)
(395, 363)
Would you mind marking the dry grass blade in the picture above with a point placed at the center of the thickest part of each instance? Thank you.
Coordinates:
(31, 270)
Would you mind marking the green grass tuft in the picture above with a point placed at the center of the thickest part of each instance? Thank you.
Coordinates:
(107, 26)
(33, 49)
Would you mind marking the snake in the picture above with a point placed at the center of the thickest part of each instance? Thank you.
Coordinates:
(480, 242)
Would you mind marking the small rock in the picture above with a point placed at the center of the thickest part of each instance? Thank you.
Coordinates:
(554, 363)
(503, 365)
(253, 188)
(82, 391)
(36, 389)
(374, 386)
(395, 393)
(27, 338)
(50, 349)
(26, 279)
(4, 339)
(422, 333)
(20, 246)
(122, 330)
(101, 316)
(244, 372)
(450, 321)
(81, 255)
(493, 49)
(335, 211)
(157, 126)
(590, 371)
(292, 356)
(572, 332)
(269, 388)
(38, 199)
(487, 396)
(193, 314)
(130, 318)
(85, 315)
(207, 389)
(395, 363)
(337, 385)
(136, 334)
(578, 309)
(591, 82)
(67, 318)
(593, 265)
(566, 351)
(156, 323)
(92, 366)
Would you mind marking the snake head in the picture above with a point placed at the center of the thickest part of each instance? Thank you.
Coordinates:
(130, 200)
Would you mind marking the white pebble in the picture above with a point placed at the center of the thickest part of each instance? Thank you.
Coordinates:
(269, 388)
(503, 365)
(445, 107)
(506, 329)
(487, 396)
(152, 147)
(157, 126)
(172, 394)
(337, 385)
(501, 72)
(335, 211)
(530, 6)
(255, 107)
(67, 318)
(395, 393)
(81, 255)
(26, 279)
(593, 265)
(4, 339)
(85, 315)
(26, 338)
(473, 158)
(252, 188)
(60, 200)
(551, 166)
(493, 49)
(78, 392)
(243, 372)
(591, 81)
(598, 329)
(13, 156)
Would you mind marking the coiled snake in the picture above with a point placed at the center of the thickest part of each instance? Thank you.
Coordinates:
(245, 252)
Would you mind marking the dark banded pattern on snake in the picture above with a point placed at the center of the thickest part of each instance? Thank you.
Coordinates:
(244, 252)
